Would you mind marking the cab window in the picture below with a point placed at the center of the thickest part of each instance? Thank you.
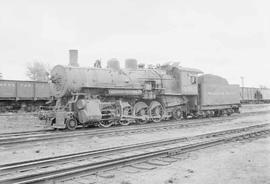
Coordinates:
(193, 79)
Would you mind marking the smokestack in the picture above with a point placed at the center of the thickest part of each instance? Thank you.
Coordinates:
(73, 58)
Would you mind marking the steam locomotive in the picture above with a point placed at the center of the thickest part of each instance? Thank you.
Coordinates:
(109, 96)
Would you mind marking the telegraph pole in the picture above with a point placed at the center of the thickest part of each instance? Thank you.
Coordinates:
(242, 81)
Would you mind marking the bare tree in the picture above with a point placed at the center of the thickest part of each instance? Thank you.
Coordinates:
(38, 71)
(263, 87)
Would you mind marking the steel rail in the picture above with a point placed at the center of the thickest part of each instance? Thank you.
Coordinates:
(19, 114)
(40, 176)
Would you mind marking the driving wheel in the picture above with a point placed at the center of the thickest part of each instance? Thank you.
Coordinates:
(105, 123)
(140, 110)
(156, 111)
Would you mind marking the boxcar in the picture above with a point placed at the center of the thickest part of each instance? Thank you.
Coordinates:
(248, 94)
(265, 95)
(254, 95)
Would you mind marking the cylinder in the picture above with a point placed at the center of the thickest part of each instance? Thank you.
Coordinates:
(73, 58)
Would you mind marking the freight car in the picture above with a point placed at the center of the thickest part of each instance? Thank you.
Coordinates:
(23, 95)
(251, 95)
(108, 96)
(265, 95)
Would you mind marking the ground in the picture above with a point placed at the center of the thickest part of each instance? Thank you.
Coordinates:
(234, 163)
(19, 123)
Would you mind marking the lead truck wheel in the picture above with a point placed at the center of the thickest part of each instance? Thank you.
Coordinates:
(71, 124)
(124, 122)
(177, 114)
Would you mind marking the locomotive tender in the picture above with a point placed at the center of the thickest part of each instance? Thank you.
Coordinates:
(107, 96)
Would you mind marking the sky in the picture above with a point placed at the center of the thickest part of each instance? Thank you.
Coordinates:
(228, 38)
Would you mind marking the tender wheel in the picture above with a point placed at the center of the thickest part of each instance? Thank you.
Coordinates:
(124, 122)
(156, 111)
(218, 113)
(85, 125)
(71, 124)
(105, 123)
(229, 112)
(140, 109)
(177, 114)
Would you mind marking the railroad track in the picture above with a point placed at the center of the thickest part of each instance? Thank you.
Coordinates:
(20, 114)
(60, 168)
(14, 134)
(36, 113)
(11, 139)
